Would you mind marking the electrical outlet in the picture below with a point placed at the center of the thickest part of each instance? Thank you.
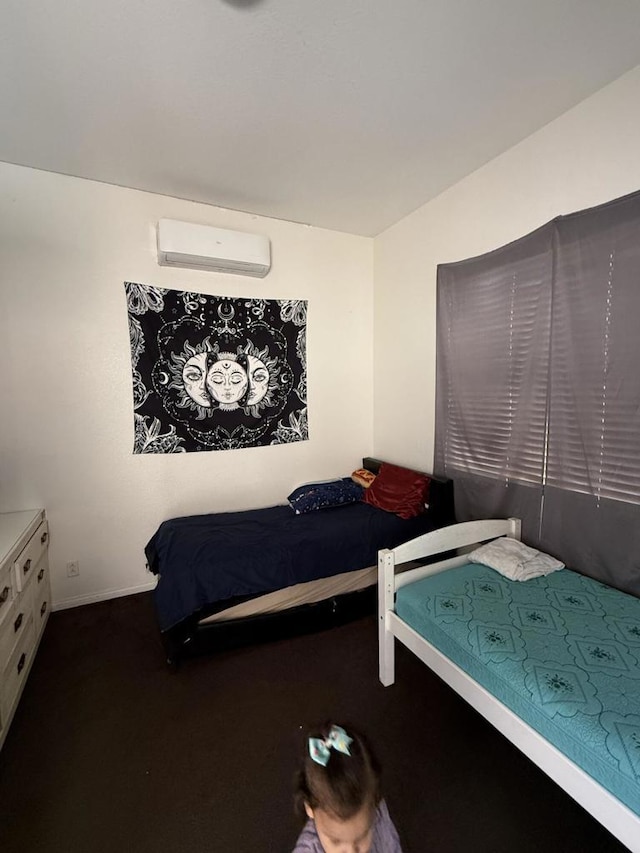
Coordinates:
(73, 569)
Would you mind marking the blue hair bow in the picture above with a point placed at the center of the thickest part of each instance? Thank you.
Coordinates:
(320, 750)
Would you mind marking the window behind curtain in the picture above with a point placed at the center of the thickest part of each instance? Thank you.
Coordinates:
(492, 368)
(594, 437)
(538, 387)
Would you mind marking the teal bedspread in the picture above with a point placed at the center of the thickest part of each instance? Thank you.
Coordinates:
(562, 652)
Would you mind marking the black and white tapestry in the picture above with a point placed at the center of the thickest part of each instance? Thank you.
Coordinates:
(215, 372)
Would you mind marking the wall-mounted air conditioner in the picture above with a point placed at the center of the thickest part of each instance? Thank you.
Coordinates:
(201, 247)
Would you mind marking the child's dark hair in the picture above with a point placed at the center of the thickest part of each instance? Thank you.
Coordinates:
(346, 784)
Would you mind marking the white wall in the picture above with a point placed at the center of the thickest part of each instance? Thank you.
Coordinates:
(66, 431)
(588, 156)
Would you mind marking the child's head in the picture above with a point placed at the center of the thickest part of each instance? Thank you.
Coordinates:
(339, 787)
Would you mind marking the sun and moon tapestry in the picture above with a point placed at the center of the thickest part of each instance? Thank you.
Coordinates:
(215, 372)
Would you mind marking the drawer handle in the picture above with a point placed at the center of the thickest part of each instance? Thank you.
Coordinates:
(43, 609)
(27, 566)
(21, 662)
(43, 538)
(40, 575)
(18, 623)
(4, 595)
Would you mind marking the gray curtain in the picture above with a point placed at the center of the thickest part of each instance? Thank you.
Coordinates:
(538, 388)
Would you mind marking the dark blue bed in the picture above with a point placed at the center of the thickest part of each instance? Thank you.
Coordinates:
(206, 563)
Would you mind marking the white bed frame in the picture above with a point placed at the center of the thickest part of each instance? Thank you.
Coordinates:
(602, 805)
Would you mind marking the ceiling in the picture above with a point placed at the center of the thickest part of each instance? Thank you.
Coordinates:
(343, 114)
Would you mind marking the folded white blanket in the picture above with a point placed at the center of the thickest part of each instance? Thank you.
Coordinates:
(514, 559)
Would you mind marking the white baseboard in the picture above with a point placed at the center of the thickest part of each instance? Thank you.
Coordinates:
(92, 598)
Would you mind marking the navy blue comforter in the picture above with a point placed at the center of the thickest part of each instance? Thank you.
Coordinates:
(203, 559)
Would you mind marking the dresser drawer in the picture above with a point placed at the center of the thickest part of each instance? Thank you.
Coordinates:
(16, 670)
(7, 592)
(29, 556)
(41, 597)
(15, 625)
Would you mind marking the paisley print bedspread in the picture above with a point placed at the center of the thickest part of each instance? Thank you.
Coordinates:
(562, 652)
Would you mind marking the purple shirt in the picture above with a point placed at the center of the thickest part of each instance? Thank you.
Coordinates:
(385, 837)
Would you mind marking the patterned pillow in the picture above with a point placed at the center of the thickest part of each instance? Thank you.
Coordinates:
(363, 477)
(314, 496)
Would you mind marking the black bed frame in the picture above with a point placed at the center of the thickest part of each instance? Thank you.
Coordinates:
(192, 638)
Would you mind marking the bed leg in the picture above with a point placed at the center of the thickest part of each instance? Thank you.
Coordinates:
(386, 597)
(387, 654)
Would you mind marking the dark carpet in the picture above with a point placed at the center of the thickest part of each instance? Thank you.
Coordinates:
(111, 751)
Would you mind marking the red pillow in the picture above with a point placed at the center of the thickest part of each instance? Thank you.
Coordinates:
(399, 490)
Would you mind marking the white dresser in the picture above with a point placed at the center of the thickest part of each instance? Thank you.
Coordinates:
(25, 602)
